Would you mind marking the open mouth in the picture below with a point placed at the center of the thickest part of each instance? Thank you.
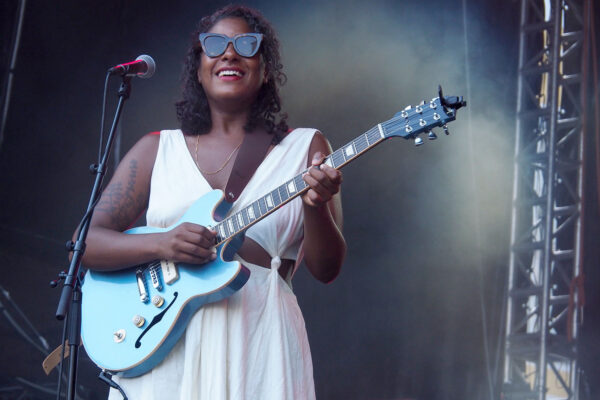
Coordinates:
(226, 73)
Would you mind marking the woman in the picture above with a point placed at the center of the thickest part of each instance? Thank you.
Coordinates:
(252, 345)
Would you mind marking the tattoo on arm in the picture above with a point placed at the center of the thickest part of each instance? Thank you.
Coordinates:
(119, 202)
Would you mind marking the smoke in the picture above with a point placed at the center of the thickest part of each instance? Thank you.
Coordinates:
(351, 67)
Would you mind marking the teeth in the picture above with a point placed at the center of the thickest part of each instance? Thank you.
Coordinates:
(228, 72)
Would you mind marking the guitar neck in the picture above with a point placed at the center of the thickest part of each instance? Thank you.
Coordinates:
(241, 220)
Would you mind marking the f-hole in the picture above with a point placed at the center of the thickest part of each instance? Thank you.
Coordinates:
(157, 318)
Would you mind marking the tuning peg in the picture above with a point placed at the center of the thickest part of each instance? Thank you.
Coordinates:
(431, 135)
(422, 103)
(446, 131)
(407, 107)
(418, 141)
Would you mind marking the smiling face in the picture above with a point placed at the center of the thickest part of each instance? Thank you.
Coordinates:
(231, 80)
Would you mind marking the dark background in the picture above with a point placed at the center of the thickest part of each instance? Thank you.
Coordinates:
(427, 228)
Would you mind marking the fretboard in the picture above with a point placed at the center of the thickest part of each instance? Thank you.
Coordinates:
(267, 204)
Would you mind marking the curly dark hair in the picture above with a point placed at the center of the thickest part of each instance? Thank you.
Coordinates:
(193, 110)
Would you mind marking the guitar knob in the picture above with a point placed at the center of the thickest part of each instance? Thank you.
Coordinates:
(119, 335)
(138, 320)
(157, 300)
(418, 141)
(431, 135)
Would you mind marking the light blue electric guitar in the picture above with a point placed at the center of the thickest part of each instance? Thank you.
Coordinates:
(132, 318)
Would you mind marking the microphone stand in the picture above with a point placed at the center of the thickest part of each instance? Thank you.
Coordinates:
(69, 304)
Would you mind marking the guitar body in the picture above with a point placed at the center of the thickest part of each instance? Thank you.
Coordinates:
(111, 300)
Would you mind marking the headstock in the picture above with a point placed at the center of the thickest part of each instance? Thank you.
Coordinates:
(412, 121)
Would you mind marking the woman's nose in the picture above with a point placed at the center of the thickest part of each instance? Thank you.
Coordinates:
(230, 51)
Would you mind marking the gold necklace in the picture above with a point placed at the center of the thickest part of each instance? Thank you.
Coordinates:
(222, 166)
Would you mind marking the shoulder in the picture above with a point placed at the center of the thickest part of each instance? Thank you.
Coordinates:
(302, 135)
(319, 143)
(147, 142)
(319, 139)
(143, 153)
(313, 140)
(147, 146)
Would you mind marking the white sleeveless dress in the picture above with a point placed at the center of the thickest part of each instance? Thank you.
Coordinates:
(252, 345)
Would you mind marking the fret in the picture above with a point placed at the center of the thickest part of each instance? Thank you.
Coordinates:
(373, 137)
(269, 202)
(299, 182)
(276, 198)
(230, 226)
(245, 216)
(256, 210)
(225, 229)
(240, 220)
(236, 228)
(291, 187)
(342, 153)
(361, 143)
(221, 231)
(283, 194)
(338, 158)
(350, 151)
(370, 140)
(263, 206)
(380, 128)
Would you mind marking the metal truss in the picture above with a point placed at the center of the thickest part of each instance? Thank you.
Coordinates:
(543, 306)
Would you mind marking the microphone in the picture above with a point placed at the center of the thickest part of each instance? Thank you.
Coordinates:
(143, 67)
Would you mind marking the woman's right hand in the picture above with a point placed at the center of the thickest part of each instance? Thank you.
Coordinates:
(189, 243)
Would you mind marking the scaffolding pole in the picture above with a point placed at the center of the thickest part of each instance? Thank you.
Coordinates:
(543, 307)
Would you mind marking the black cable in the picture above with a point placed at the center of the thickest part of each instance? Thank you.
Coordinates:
(62, 357)
(106, 377)
(104, 100)
(87, 215)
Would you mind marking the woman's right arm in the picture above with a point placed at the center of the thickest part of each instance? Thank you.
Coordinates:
(122, 202)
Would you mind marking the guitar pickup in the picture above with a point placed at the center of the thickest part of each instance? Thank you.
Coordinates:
(169, 271)
(155, 278)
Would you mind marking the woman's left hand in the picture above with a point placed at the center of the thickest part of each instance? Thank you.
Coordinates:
(324, 182)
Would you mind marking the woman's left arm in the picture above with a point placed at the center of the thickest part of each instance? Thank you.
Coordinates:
(324, 244)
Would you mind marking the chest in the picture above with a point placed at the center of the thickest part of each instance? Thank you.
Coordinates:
(218, 180)
(214, 159)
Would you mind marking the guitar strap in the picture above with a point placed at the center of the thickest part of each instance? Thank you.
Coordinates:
(252, 153)
(53, 358)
